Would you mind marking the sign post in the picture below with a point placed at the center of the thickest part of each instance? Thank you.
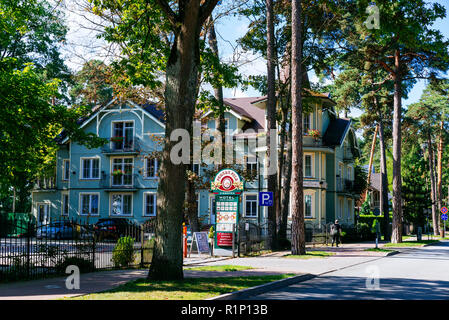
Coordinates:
(227, 187)
(444, 218)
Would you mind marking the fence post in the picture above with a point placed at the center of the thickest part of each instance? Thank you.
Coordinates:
(93, 249)
(28, 248)
(141, 247)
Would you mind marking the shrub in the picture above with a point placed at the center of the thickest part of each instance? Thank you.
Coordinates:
(123, 253)
(83, 264)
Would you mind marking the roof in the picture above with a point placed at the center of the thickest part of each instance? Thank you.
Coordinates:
(245, 108)
(155, 111)
(375, 181)
(336, 131)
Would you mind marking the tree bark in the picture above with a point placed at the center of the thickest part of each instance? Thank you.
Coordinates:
(440, 173)
(436, 230)
(297, 195)
(396, 236)
(285, 191)
(370, 165)
(180, 98)
(271, 124)
(218, 90)
(384, 209)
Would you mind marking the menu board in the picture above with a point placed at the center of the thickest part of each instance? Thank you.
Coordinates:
(226, 209)
(224, 239)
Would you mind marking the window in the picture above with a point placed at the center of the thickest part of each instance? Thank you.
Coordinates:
(122, 171)
(150, 204)
(43, 213)
(151, 167)
(122, 135)
(349, 173)
(251, 165)
(90, 168)
(251, 206)
(89, 204)
(308, 166)
(340, 208)
(308, 206)
(66, 169)
(348, 209)
(121, 204)
(306, 123)
(212, 209)
(65, 205)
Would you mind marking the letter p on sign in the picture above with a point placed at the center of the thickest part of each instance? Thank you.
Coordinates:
(266, 199)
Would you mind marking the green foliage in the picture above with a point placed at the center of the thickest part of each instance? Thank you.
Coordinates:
(84, 265)
(211, 232)
(123, 252)
(366, 206)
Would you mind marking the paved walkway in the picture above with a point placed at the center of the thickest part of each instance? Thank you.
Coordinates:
(54, 288)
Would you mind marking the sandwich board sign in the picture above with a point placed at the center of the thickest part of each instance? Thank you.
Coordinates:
(227, 187)
(200, 239)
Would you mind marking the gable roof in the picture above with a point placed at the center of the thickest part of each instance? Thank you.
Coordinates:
(245, 107)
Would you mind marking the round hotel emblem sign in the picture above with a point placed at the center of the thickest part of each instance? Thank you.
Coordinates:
(227, 181)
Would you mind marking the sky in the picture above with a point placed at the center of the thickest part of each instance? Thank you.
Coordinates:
(83, 45)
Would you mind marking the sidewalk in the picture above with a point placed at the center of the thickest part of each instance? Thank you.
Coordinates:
(270, 264)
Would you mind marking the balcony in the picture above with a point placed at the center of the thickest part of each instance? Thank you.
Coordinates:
(121, 146)
(45, 184)
(123, 182)
(344, 185)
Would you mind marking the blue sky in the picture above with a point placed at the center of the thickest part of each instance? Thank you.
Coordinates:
(84, 46)
(232, 28)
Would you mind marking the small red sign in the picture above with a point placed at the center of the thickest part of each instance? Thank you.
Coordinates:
(224, 239)
(443, 210)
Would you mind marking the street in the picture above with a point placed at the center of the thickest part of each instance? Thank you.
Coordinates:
(415, 274)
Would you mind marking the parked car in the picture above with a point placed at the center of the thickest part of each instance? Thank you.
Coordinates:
(58, 230)
(114, 228)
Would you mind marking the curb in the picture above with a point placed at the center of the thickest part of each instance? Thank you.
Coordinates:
(245, 293)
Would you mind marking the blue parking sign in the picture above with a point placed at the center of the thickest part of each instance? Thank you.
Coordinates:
(266, 199)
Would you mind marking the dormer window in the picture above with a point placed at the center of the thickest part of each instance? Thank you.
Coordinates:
(122, 135)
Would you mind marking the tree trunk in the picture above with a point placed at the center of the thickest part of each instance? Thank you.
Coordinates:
(297, 195)
(285, 191)
(271, 124)
(371, 157)
(384, 209)
(396, 236)
(192, 207)
(440, 173)
(180, 99)
(218, 90)
(436, 229)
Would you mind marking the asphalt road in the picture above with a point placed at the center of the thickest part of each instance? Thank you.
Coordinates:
(421, 273)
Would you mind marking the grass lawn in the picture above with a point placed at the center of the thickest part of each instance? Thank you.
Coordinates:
(410, 244)
(310, 254)
(189, 289)
(222, 268)
(378, 250)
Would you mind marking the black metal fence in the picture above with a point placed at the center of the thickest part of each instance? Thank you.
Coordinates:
(31, 251)
(253, 237)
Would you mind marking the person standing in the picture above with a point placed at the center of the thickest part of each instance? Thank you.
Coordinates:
(335, 233)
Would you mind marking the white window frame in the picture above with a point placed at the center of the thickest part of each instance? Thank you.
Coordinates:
(349, 209)
(156, 170)
(252, 162)
(112, 170)
(245, 203)
(145, 204)
(44, 203)
(65, 175)
(312, 165)
(309, 116)
(122, 194)
(80, 207)
(341, 204)
(63, 195)
(90, 168)
(349, 173)
(197, 172)
(112, 130)
(312, 204)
